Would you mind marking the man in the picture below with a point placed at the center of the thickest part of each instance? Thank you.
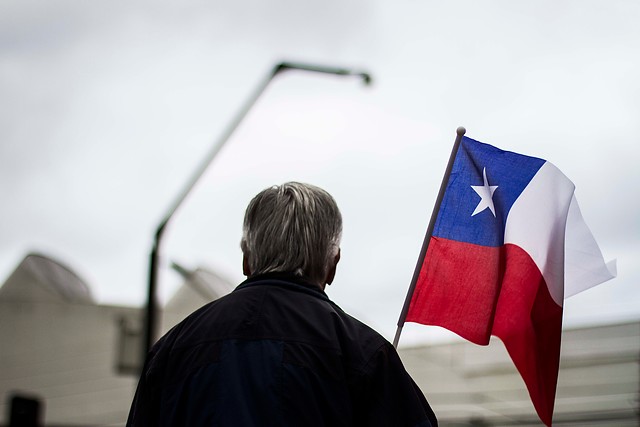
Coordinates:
(277, 351)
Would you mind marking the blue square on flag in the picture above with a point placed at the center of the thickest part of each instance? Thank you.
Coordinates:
(485, 182)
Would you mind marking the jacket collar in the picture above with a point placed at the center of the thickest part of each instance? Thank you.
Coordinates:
(286, 280)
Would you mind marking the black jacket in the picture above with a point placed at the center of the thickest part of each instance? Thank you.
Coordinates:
(276, 352)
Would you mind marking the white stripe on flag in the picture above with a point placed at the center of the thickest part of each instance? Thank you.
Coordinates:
(584, 264)
(536, 223)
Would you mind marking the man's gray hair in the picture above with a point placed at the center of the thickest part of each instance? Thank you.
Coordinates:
(292, 228)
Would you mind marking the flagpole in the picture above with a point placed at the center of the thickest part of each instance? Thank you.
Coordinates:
(425, 244)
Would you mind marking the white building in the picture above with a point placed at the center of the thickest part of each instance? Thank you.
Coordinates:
(79, 358)
(471, 385)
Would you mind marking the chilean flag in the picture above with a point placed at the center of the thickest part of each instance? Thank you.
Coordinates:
(508, 244)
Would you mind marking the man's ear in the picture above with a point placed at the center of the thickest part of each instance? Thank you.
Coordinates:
(331, 274)
(246, 270)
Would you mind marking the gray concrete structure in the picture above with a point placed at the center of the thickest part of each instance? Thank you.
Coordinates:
(80, 359)
(598, 382)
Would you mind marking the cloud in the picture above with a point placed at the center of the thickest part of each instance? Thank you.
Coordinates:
(106, 109)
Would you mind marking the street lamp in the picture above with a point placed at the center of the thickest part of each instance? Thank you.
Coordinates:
(152, 304)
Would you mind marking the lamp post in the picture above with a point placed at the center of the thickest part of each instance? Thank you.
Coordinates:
(152, 305)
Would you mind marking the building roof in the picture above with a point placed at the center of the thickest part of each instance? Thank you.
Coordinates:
(41, 278)
(201, 285)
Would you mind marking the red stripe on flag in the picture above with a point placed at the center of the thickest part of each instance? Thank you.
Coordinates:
(529, 322)
(477, 291)
(458, 288)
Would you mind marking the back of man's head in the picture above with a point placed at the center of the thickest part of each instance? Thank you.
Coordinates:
(292, 228)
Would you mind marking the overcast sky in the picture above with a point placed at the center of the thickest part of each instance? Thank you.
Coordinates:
(107, 108)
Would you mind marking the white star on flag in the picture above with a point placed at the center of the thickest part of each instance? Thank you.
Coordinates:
(486, 195)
